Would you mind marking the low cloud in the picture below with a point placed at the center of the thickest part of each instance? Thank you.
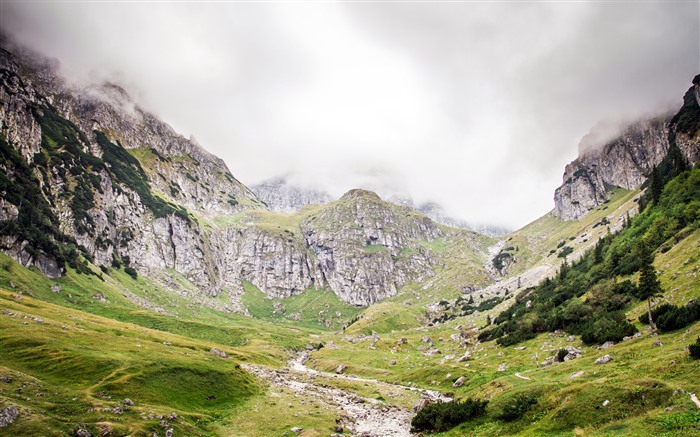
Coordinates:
(477, 106)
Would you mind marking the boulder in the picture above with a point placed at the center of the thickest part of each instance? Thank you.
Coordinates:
(8, 415)
(459, 382)
(604, 359)
(340, 369)
(218, 353)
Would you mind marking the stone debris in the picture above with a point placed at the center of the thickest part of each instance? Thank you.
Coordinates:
(218, 353)
(606, 345)
(8, 415)
(340, 369)
(128, 402)
(459, 382)
(466, 357)
(502, 367)
(432, 352)
(604, 359)
(606, 403)
(632, 337)
(576, 374)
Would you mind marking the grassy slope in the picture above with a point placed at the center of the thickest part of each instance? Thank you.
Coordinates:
(542, 236)
(640, 382)
(85, 350)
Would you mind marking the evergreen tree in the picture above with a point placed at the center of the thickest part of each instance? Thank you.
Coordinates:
(649, 285)
(655, 186)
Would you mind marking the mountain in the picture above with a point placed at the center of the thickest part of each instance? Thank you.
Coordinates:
(281, 195)
(93, 179)
(144, 290)
(626, 160)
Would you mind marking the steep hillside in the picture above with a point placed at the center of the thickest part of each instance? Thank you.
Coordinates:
(91, 178)
(626, 160)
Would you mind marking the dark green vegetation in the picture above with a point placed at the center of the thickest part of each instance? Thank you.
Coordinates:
(560, 303)
(694, 349)
(128, 171)
(669, 317)
(517, 407)
(444, 416)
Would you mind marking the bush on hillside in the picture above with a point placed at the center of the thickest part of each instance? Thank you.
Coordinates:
(607, 327)
(670, 317)
(518, 407)
(694, 349)
(443, 416)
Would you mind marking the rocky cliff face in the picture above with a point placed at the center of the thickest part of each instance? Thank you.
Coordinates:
(88, 179)
(627, 159)
(367, 249)
(281, 196)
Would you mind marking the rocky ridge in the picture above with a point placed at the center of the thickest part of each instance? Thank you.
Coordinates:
(95, 178)
(627, 159)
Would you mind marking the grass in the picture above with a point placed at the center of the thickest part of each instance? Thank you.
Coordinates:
(316, 309)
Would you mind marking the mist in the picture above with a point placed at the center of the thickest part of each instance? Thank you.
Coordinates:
(476, 106)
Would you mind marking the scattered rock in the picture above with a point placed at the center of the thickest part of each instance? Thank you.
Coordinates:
(631, 337)
(105, 430)
(38, 320)
(392, 362)
(172, 417)
(572, 354)
(466, 357)
(658, 343)
(606, 403)
(502, 367)
(218, 353)
(339, 370)
(169, 432)
(296, 317)
(338, 429)
(448, 376)
(82, 431)
(459, 382)
(296, 429)
(55, 288)
(571, 338)
(128, 402)
(606, 345)
(604, 359)
(8, 415)
(576, 374)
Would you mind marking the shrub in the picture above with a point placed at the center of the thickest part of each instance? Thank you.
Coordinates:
(670, 317)
(131, 272)
(518, 406)
(606, 327)
(694, 349)
(443, 416)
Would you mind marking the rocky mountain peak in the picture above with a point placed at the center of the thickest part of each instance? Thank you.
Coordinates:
(625, 158)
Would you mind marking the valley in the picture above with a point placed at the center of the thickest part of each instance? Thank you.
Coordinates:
(144, 290)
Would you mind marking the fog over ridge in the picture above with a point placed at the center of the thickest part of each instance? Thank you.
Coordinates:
(476, 106)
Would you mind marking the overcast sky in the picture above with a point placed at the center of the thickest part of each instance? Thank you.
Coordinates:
(476, 105)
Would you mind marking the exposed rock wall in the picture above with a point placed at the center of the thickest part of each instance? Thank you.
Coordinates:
(115, 185)
(627, 160)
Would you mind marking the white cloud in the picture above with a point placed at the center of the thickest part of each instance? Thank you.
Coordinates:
(475, 105)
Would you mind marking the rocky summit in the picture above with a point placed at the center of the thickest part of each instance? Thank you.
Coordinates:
(626, 160)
